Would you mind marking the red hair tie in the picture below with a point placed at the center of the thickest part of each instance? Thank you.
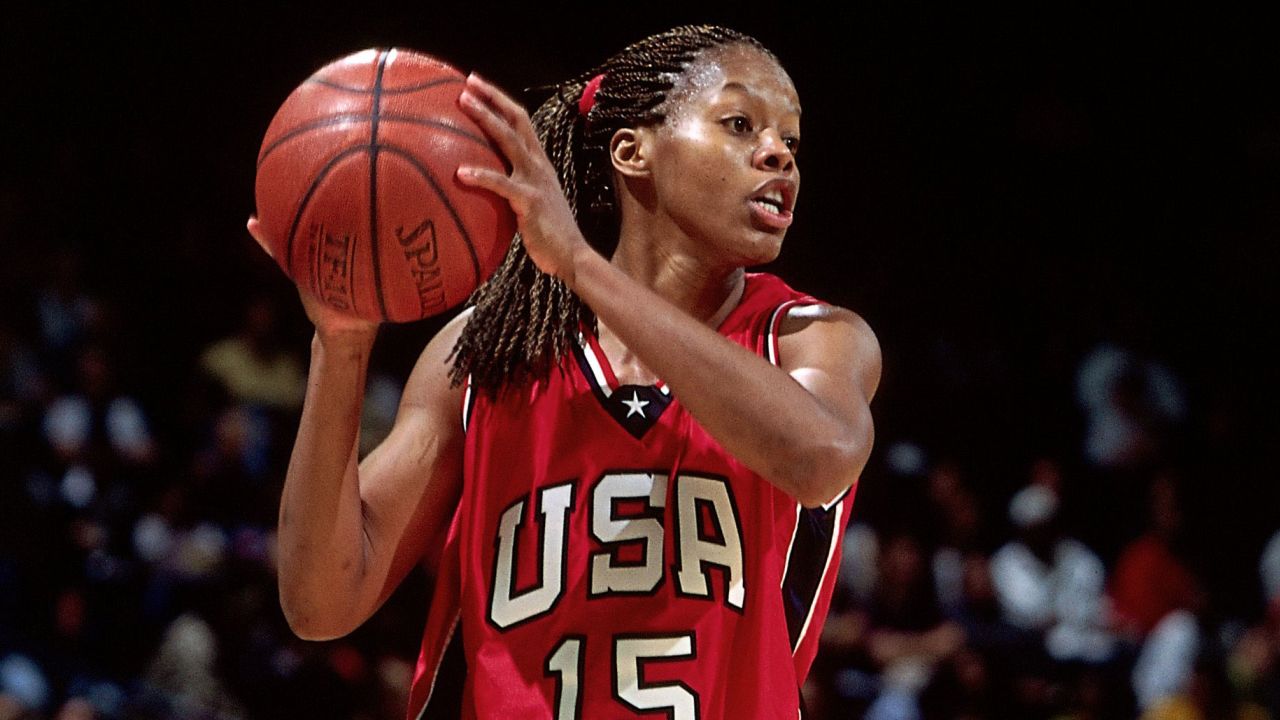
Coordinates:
(588, 99)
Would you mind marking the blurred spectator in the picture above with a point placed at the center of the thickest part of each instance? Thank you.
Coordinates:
(1155, 598)
(1052, 584)
(1209, 696)
(982, 617)
(1129, 401)
(1269, 569)
(957, 523)
(1255, 660)
(181, 681)
(22, 383)
(909, 637)
(97, 425)
(254, 365)
(66, 312)
(1164, 666)
(23, 686)
(228, 482)
(1150, 579)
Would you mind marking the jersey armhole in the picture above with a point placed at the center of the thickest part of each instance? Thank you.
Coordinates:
(775, 323)
(468, 403)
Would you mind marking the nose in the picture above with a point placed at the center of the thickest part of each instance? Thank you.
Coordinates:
(773, 153)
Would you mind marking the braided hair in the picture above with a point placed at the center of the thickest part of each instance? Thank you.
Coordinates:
(525, 320)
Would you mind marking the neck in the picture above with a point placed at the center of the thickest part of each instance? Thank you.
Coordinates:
(658, 256)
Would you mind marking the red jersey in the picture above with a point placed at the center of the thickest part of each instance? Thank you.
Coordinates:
(610, 559)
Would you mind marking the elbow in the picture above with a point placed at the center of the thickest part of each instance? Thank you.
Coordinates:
(308, 628)
(826, 473)
(310, 622)
(829, 463)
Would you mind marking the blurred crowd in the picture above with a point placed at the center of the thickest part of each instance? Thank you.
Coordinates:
(136, 542)
(1064, 236)
(1081, 594)
(137, 570)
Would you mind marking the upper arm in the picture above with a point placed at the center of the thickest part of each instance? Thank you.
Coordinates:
(833, 354)
(411, 482)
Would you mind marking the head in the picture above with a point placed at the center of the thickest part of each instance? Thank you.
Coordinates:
(660, 137)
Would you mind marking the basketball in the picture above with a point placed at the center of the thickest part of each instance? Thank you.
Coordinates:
(356, 190)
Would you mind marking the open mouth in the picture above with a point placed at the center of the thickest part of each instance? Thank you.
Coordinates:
(771, 204)
(771, 213)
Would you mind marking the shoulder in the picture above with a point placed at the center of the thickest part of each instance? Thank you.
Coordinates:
(806, 314)
(429, 383)
(815, 331)
(824, 318)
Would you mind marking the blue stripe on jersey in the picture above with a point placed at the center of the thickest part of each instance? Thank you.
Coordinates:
(806, 565)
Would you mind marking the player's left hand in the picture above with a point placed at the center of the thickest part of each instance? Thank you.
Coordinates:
(546, 223)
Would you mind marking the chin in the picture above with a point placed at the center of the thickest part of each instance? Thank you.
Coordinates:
(763, 250)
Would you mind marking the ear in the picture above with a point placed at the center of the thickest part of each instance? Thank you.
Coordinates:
(629, 151)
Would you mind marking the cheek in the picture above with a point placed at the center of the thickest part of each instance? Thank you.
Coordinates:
(700, 172)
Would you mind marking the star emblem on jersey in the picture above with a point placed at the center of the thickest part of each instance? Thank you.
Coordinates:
(636, 407)
(635, 404)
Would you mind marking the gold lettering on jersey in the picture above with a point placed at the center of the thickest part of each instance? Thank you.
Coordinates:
(507, 605)
(706, 530)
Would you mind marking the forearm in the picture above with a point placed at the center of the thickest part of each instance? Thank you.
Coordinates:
(321, 528)
(757, 411)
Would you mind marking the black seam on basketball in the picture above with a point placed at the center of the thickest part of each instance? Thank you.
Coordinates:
(387, 91)
(444, 198)
(373, 181)
(306, 199)
(354, 117)
(414, 120)
(307, 127)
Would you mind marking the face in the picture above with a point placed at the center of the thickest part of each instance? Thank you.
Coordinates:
(724, 161)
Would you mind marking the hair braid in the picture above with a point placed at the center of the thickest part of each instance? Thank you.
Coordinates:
(524, 320)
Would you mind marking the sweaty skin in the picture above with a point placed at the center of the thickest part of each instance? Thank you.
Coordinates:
(688, 230)
(350, 531)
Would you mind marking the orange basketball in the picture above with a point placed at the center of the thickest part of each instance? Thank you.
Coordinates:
(357, 194)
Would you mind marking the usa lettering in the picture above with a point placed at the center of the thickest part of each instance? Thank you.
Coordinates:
(707, 536)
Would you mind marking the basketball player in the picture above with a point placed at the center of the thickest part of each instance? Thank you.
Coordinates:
(631, 463)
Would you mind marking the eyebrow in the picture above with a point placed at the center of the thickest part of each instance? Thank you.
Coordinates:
(735, 85)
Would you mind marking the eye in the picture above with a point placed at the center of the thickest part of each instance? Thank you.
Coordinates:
(793, 144)
(739, 124)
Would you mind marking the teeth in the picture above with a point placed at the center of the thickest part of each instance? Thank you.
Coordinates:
(773, 197)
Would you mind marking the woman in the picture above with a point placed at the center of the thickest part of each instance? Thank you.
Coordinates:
(650, 454)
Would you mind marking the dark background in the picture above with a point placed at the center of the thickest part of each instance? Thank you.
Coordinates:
(996, 192)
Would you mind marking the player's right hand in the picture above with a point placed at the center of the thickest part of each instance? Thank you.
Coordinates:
(331, 324)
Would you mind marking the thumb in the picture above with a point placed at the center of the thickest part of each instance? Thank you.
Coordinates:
(255, 229)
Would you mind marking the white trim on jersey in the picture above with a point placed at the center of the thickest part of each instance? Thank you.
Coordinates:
(771, 353)
(771, 331)
(435, 674)
(466, 405)
(596, 362)
(836, 500)
(786, 565)
(589, 352)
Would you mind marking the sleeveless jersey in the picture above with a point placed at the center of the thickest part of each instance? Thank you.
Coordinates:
(609, 559)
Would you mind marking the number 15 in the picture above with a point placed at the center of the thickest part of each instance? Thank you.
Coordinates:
(630, 652)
